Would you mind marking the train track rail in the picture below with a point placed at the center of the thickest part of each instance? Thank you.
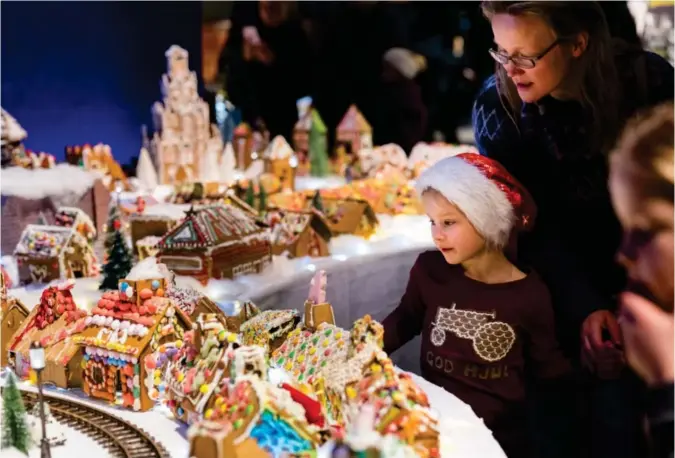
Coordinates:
(120, 438)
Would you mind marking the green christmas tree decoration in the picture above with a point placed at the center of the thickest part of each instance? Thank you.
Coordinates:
(15, 432)
(317, 203)
(262, 199)
(318, 150)
(118, 262)
(250, 195)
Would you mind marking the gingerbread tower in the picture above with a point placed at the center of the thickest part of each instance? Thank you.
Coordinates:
(184, 136)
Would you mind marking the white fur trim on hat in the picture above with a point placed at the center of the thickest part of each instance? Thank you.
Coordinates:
(485, 205)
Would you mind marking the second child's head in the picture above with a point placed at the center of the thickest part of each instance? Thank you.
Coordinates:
(641, 184)
(473, 205)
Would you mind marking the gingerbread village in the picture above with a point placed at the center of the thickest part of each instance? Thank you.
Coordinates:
(227, 210)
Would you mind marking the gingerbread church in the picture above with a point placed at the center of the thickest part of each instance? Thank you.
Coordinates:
(184, 138)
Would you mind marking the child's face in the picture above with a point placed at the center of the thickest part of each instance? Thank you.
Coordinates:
(452, 232)
(647, 248)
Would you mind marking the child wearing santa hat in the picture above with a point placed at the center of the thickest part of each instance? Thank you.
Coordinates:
(484, 322)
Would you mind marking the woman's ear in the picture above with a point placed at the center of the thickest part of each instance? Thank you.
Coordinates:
(580, 43)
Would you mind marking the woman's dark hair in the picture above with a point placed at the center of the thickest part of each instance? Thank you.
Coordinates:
(597, 79)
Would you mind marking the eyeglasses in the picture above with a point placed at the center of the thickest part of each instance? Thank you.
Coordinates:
(522, 62)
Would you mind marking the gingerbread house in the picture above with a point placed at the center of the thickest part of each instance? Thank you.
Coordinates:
(77, 219)
(299, 233)
(123, 328)
(255, 419)
(354, 131)
(29, 194)
(280, 160)
(99, 158)
(184, 136)
(348, 215)
(216, 241)
(12, 314)
(195, 371)
(389, 196)
(193, 303)
(47, 253)
(154, 221)
(247, 310)
(54, 323)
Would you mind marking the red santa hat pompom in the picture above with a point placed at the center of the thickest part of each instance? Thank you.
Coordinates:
(490, 197)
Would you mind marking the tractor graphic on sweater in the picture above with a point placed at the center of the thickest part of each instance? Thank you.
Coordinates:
(492, 340)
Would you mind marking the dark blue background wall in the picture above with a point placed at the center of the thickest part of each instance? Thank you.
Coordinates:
(87, 72)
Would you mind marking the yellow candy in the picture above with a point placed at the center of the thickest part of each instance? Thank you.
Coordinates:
(312, 350)
(222, 335)
(219, 402)
(223, 408)
(325, 343)
(179, 343)
(158, 373)
(180, 376)
(351, 392)
(397, 396)
(157, 381)
(301, 358)
(204, 389)
(338, 335)
(376, 368)
(289, 366)
(231, 338)
(208, 414)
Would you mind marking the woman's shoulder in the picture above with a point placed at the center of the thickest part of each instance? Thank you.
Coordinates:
(494, 127)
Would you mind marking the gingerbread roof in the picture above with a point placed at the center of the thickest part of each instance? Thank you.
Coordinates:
(188, 298)
(306, 353)
(195, 373)
(268, 325)
(53, 323)
(7, 304)
(287, 225)
(279, 149)
(267, 413)
(119, 325)
(353, 120)
(210, 226)
(38, 241)
(76, 218)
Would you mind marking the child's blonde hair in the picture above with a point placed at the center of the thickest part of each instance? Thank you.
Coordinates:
(644, 154)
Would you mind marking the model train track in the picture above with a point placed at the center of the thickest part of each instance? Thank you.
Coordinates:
(120, 438)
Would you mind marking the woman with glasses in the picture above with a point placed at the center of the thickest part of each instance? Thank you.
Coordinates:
(561, 91)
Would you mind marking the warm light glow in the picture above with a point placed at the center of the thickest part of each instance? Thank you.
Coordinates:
(37, 357)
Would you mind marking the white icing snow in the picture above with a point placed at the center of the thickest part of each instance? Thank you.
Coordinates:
(63, 180)
(164, 211)
(148, 269)
(11, 129)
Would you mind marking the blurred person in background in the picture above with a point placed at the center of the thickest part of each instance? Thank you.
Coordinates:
(268, 62)
(641, 184)
(349, 41)
(450, 39)
(561, 92)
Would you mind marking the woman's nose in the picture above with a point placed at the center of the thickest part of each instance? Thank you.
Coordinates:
(512, 70)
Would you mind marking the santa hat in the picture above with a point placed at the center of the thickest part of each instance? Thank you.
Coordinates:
(493, 201)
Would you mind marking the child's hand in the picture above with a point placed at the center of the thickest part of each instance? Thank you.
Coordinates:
(648, 333)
